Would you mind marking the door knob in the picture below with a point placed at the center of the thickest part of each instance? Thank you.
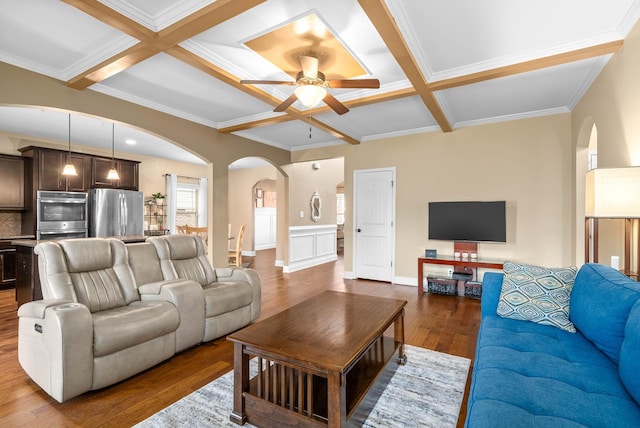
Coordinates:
(359, 230)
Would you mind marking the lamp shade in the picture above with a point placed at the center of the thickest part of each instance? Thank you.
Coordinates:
(613, 193)
(113, 174)
(69, 169)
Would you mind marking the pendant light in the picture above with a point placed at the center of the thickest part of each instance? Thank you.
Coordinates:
(69, 169)
(113, 173)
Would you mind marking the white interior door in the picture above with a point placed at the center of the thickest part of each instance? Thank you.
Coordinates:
(374, 224)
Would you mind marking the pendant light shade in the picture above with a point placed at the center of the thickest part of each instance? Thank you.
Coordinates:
(113, 173)
(69, 169)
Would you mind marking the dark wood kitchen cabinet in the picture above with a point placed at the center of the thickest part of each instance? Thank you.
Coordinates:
(127, 170)
(7, 265)
(27, 276)
(47, 170)
(12, 182)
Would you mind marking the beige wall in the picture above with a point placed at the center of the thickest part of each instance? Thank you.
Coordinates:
(305, 180)
(524, 162)
(24, 88)
(612, 103)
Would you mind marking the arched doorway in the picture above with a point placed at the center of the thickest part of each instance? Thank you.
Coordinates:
(252, 185)
(586, 159)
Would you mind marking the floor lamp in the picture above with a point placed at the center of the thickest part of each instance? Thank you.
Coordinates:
(613, 193)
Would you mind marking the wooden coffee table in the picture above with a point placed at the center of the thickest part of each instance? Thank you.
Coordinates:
(322, 362)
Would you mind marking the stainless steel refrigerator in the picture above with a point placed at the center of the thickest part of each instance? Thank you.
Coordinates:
(116, 212)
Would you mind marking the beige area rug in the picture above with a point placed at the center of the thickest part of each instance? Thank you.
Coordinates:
(426, 392)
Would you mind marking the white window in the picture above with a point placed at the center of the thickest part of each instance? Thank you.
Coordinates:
(187, 205)
(187, 199)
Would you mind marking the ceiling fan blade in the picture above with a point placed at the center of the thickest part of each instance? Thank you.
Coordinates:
(336, 105)
(266, 82)
(354, 83)
(286, 103)
(309, 66)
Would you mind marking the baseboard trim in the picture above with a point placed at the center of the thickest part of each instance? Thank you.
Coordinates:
(405, 280)
(348, 275)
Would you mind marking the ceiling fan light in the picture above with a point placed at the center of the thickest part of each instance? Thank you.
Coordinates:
(113, 174)
(310, 95)
(69, 169)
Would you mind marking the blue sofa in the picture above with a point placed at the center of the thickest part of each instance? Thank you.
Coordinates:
(532, 375)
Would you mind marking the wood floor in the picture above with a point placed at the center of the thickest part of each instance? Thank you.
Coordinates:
(442, 323)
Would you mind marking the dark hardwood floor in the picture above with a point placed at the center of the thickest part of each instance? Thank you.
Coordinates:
(442, 323)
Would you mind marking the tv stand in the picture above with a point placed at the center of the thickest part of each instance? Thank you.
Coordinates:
(461, 265)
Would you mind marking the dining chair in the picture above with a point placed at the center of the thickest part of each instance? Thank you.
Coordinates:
(235, 256)
(202, 231)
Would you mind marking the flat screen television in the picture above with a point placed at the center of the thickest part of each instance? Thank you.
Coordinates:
(468, 221)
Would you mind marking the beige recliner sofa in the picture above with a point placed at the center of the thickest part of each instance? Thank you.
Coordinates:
(232, 295)
(109, 311)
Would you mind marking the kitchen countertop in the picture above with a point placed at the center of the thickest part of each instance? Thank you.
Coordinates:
(33, 242)
(12, 237)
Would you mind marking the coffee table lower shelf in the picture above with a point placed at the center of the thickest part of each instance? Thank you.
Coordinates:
(298, 396)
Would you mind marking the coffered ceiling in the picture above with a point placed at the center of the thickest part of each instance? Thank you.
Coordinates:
(442, 64)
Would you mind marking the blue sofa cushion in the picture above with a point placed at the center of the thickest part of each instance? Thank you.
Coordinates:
(538, 294)
(630, 353)
(532, 375)
(601, 300)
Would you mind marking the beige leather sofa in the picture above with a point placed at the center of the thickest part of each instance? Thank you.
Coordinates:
(232, 296)
(111, 310)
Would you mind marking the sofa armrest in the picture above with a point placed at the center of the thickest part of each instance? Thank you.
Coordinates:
(238, 274)
(37, 308)
(187, 296)
(491, 287)
(248, 275)
(55, 346)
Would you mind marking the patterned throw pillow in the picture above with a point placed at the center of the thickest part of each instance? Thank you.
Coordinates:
(538, 294)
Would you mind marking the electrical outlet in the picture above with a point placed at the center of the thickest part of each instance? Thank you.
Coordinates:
(449, 272)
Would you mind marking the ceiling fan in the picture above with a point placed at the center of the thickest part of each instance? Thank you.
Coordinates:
(312, 86)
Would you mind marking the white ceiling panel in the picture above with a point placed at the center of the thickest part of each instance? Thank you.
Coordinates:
(418, 50)
(156, 14)
(294, 135)
(535, 93)
(386, 119)
(31, 37)
(461, 37)
(164, 83)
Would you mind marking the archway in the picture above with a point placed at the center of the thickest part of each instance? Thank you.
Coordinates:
(257, 201)
(586, 159)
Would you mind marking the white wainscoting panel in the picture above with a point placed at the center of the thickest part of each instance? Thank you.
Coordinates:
(311, 246)
(265, 228)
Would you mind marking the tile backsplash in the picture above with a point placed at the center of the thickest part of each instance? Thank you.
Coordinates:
(10, 223)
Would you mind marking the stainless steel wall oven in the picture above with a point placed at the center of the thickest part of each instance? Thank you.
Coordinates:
(61, 215)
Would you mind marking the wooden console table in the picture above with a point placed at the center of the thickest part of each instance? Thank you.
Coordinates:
(464, 265)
